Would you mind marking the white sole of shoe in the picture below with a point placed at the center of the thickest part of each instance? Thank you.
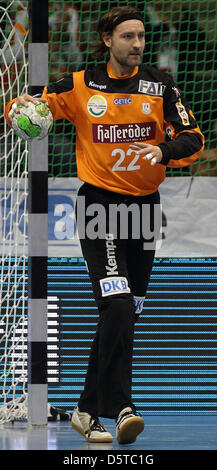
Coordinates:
(130, 430)
(91, 439)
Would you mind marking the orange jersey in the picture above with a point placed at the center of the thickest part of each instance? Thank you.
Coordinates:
(110, 113)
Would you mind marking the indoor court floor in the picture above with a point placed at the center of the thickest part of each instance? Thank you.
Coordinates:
(160, 433)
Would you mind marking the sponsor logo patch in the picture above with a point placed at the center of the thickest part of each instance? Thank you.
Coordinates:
(151, 88)
(169, 132)
(114, 285)
(182, 113)
(123, 101)
(176, 91)
(111, 268)
(138, 302)
(97, 106)
(146, 108)
(96, 85)
(117, 133)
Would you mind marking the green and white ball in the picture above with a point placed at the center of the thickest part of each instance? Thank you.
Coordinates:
(31, 123)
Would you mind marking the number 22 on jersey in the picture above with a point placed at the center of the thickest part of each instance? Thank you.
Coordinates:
(122, 159)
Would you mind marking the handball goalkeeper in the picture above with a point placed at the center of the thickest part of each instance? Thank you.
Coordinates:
(122, 111)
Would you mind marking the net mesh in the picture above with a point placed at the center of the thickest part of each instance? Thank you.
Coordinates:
(13, 214)
(181, 39)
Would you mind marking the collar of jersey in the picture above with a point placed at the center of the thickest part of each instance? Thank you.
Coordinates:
(111, 74)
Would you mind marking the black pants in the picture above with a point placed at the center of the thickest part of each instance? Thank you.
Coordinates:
(119, 269)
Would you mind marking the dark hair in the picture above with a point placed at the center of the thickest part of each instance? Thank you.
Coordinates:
(106, 24)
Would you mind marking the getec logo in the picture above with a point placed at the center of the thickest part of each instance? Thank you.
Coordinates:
(123, 101)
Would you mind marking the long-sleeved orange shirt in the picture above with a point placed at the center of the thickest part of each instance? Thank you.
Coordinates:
(111, 112)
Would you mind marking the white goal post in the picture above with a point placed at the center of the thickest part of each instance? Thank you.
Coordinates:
(23, 246)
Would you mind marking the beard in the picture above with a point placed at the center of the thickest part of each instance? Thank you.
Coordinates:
(127, 61)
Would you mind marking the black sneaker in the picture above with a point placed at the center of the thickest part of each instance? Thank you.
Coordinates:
(57, 414)
(128, 426)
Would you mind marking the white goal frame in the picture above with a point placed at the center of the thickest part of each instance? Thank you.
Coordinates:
(24, 221)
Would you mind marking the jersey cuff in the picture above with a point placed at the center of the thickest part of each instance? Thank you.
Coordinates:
(166, 153)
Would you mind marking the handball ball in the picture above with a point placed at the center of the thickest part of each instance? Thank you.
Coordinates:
(33, 121)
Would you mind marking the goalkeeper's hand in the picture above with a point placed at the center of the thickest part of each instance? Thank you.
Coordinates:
(23, 100)
(150, 152)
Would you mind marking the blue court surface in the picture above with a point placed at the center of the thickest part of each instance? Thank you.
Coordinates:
(160, 433)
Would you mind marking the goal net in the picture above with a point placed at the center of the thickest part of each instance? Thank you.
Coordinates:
(13, 216)
(181, 39)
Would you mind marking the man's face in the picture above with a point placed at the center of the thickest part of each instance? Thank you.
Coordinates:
(127, 43)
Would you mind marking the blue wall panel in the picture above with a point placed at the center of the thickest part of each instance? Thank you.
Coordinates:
(175, 354)
(175, 349)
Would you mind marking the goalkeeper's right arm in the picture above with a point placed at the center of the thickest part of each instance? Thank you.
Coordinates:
(22, 99)
(59, 96)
